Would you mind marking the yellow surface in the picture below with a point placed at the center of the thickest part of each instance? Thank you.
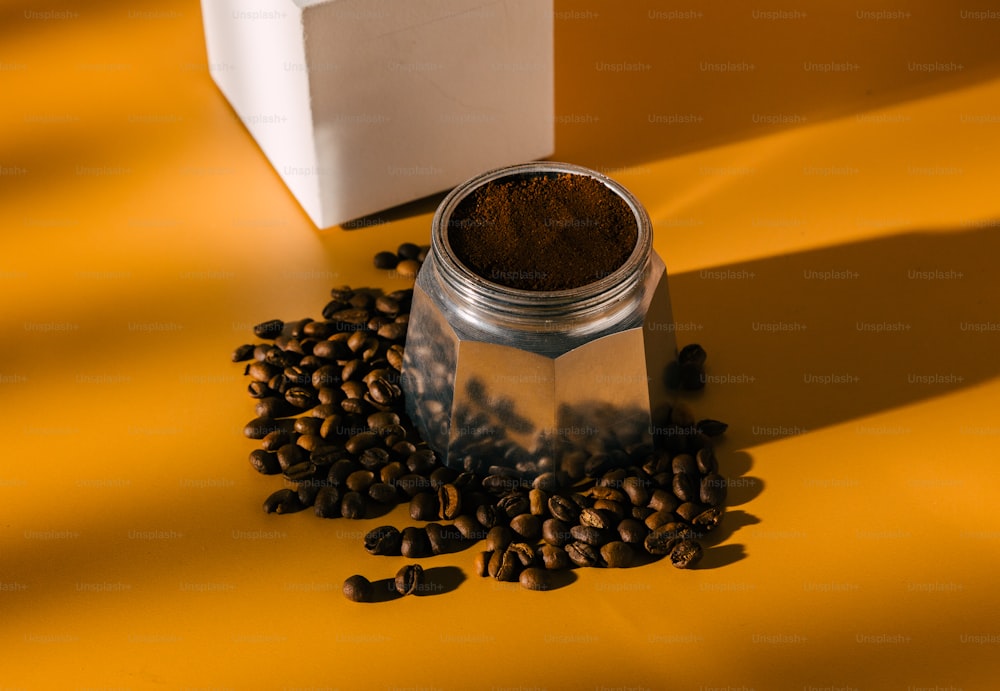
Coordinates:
(839, 267)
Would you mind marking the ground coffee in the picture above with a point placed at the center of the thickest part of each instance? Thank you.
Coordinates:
(544, 232)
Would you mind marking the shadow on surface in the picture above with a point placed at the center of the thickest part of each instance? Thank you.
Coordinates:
(820, 337)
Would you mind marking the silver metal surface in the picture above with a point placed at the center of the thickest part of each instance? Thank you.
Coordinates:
(523, 380)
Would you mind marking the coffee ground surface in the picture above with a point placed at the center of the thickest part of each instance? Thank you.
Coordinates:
(548, 232)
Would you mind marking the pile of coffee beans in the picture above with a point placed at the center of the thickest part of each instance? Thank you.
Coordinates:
(331, 422)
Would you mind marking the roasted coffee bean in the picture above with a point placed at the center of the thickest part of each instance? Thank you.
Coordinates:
(470, 528)
(684, 463)
(493, 566)
(360, 480)
(268, 329)
(391, 472)
(243, 352)
(402, 449)
(272, 441)
(327, 502)
(408, 268)
(355, 406)
(437, 538)
(514, 504)
(662, 517)
(408, 250)
(373, 459)
(424, 506)
(383, 493)
(272, 406)
(384, 540)
(589, 534)
(713, 489)
(688, 510)
(301, 397)
(352, 316)
(663, 500)
(340, 471)
(632, 531)
(352, 505)
(509, 566)
(259, 389)
(381, 420)
(284, 500)
(308, 491)
(617, 555)
(556, 532)
(489, 515)
(711, 428)
(260, 427)
(422, 462)
(357, 588)
(449, 502)
(265, 462)
(500, 484)
(708, 520)
(553, 557)
(385, 260)
(309, 441)
(582, 554)
(524, 552)
(414, 543)
(480, 565)
(685, 487)
(393, 331)
(362, 442)
(538, 502)
(289, 455)
(527, 526)
(608, 493)
(547, 482)
(706, 460)
(595, 518)
(641, 513)
(615, 510)
(564, 509)
(498, 538)
(409, 579)
(535, 578)
(301, 472)
(685, 554)
(663, 539)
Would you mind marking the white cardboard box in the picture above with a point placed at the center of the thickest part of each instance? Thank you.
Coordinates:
(361, 105)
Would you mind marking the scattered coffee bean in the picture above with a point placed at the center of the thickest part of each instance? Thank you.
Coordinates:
(384, 540)
(409, 579)
(617, 555)
(283, 501)
(414, 543)
(357, 588)
(685, 554)
(534, 578)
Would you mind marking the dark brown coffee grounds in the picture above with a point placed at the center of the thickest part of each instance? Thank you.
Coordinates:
(550, 232)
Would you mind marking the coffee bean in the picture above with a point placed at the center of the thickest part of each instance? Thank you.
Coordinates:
(408, 268)
(373, 459)
(556, 532)
(617, 555)
(395, 356)
(589, 534)
(424, 506)
(659, 518)
(268, 329)
(409, 579)
(449, 502)
(393, 331)
(524, 552)
(437, 538)
(422, 462)
(300, 472)
(265, 462)
(706, 460)
(527, 526)
(361, 442)
(489, 515)
(243, 352)
(509, 566)
(711, 428)
(284, 500)
(538, 502)
(381, 420)
(547, 482)
(564, 509)
(408, 250)
(327, 503)
(357, 588)
(632, 531)
(685, 554)
(663, 500)
(616, 511)
(384, 540)
(685, 487)
(383, 493)
(713, 489)
(534, 578)
(514, 504)
(684, 463)
(470, 528)
(301, 397)
(595, 518)
(582, 554)
(352, 505)
(498, 538)
(443, 476)
(414, 543)
(688, 510)
(554, 557)
(708, 519)
(413, 484)
(663, 539)
(308, 491)
(360, 480)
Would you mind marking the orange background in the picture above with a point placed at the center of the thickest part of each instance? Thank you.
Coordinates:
(831, 238)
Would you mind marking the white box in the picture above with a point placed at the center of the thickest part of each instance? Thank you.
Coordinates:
(361, 105)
